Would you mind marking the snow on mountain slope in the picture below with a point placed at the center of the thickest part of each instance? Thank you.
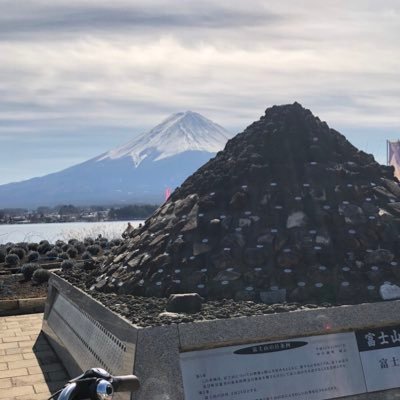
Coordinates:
(184, 131)
(137, 172)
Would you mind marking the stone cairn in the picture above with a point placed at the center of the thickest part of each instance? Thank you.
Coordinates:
(289, 211)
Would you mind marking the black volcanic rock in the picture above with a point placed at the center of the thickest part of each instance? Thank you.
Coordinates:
(290, 210)
(188, 303)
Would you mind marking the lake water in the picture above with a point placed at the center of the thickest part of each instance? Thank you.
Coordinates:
(62, 231)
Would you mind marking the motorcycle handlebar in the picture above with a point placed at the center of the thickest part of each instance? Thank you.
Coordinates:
(125, 383)
(84, 387)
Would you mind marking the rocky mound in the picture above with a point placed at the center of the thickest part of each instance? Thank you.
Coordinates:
(289, 211)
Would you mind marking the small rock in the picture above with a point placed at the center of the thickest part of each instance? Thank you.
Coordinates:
(324, 240)
(296, 220)
(247, 294)
(187, 302)
(379, 256)
(167, 314)
(244, 222)
(389, 291)
(200, 248)
(273, 296)
(227, 276)
(238, 201)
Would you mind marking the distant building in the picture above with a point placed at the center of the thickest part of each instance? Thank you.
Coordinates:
(89, 216)
(393, 156)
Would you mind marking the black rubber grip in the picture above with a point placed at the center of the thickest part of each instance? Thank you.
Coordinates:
(125, 383)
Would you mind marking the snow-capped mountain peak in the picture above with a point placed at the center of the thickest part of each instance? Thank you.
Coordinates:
(180, 132)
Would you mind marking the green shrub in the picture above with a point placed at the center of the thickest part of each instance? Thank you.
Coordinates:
(19, 251)
(41, 275)
(80, 247)
(103, 243)
(88, 241)
(33, 256)
(59, 243)
(67, 265)
(28, 269)
(12, 259)
(86, 256)
(65, 247)
(44, 247)
(2, 256)
(72, 252)
(23, 245)
(94, 249)
(33, 246)
(63, 256)
(52, 254)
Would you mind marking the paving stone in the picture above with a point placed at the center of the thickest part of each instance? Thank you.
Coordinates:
(16, 391)
(16, 350)
(5, 383)
(14, 372)
(23, 363)
(11, 339)
(11, 357)
(37, 396)
(21, 376)
(41, 388)
(11, 345)
(25, 343)
(28, 380)
(6, 334)
(28, 356)
(35, 370)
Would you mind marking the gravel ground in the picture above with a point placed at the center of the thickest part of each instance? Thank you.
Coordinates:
(15, 289)
(150, 311)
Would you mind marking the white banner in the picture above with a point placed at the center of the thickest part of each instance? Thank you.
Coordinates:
(394, 156)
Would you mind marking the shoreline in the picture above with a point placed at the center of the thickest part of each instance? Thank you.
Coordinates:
(72, 222)
(16, 233)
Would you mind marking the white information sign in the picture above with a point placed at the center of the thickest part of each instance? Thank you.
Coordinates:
(311, 368)
(380, 357)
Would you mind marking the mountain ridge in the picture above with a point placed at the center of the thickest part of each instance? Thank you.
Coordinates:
(138, 171)
(184, 131)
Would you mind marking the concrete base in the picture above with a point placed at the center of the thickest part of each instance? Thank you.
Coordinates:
(85, 334)
(22, 306)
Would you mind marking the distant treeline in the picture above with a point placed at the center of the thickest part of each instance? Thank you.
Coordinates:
(60, 209)
(133, 211)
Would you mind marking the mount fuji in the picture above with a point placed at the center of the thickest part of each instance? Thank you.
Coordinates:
(137, 172)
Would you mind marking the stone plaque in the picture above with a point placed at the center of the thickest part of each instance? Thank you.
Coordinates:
(308, 368)
(380, 357)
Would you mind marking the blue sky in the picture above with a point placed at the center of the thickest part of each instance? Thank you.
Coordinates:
(79, 77)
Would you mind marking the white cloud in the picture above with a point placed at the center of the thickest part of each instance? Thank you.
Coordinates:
(83, 64)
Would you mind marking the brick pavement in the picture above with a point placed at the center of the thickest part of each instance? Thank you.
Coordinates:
(29, 369)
